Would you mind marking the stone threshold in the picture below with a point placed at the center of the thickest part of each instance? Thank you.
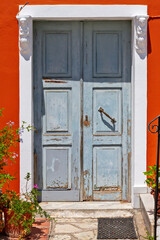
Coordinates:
(86, 205)
(88, 209)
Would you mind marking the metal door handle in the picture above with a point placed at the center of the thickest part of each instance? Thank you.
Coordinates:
(101, 110)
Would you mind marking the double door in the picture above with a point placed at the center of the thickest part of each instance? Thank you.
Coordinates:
(82, 110)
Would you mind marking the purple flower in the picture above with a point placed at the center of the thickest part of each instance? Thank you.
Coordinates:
(15, 155)
(35, 186)
(10, 123)
(21, 130)
(21, 140)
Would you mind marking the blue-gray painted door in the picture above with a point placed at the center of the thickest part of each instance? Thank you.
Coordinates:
(57, 72)
(106, 144)
(80, 67)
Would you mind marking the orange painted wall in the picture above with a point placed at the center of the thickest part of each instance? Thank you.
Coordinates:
(153, 95)
(9, 63)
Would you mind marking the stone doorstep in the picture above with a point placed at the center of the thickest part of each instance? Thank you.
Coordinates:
(87, 209)
(96, 205)
(147, 206)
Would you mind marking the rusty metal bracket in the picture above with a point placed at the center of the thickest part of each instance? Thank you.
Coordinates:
(101, 110)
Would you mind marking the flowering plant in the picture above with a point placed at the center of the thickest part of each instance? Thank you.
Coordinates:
(22, 208)
(9, 139)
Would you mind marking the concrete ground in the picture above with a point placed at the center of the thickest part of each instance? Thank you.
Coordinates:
(64, 228)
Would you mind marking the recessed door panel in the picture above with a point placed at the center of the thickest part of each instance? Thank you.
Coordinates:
(57, 54)
(57, 161)
(110, 100)
(58, 110)
(107, 54)
(107, 168)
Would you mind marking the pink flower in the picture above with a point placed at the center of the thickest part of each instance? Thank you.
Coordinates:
(10, 123)
(35, 186)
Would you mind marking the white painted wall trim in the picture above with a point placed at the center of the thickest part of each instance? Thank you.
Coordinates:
(138, 15)
(41, 12)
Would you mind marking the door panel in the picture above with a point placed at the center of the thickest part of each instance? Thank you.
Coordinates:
(107, 172)
(106, 144)
(111, 100)
(58, 110)
(57, 161)
(57, 61)
(106, 62)
(57, 50)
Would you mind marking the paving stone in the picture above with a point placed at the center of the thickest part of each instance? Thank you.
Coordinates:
(88, 235)
(86, 225)
(61, 237)
(65, 228)
(75, 220)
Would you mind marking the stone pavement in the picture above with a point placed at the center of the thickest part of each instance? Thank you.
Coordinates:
(74, 228)
(86, 228)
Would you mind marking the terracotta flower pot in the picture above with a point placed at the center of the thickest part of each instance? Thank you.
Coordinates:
(10, 229)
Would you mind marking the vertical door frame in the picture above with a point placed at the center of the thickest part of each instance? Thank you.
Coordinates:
(138, 15)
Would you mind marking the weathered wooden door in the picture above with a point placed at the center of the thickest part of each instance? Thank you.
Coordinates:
(57, 73)
(80, 67)
(106, 146)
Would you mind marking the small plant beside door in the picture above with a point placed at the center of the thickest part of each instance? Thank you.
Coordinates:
(151, 178)
(19, 209)
(151, 182)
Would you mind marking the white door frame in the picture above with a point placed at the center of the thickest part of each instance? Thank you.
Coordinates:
(138, 15)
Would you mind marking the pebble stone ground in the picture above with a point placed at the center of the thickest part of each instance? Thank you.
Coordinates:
(74, 229)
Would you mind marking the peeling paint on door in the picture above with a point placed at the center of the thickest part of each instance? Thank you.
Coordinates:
(82, 109)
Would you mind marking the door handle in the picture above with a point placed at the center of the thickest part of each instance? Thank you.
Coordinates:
(101, 110)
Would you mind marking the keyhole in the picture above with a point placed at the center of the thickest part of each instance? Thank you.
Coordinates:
(86, 122)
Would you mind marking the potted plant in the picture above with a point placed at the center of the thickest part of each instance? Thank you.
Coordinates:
(20, 210)
(151, 181)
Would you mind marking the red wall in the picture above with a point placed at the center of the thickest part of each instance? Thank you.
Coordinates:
(9, 63)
